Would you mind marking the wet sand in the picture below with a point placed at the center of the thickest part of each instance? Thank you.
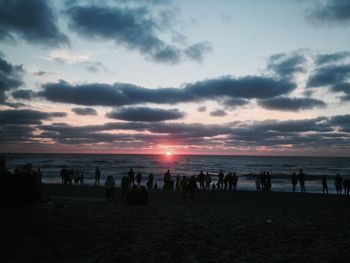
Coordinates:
(215, 227)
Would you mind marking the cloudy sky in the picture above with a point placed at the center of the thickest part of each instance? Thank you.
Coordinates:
(245, 77)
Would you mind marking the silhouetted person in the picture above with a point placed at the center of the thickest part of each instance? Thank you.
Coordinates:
(338, 184)
(235, 181)
(76, 176)
(207, 181)
(262, 180)
(221, 180)
(150, 181)
(268, 182)
(110, 189)
(192, 186)
(97, 176)
(184, 187)
(3, 169)
(62, 173)
(257, 183)
(346, 185)
(201, 180)
(324, 184)
(301, 177)
(177, 184)
(138, 179)
(167, 181)
(294, 181)
(230, 181)
(131, 177)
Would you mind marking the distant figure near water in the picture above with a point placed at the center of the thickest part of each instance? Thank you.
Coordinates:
(207, 181)
(97, 176)
(201, 180)
(324, 184)
(192, 186)
(131, 178)
(221, 180)
(138, 179)
(338, 181)
(150, 181)
(184, 187)
(346, 184)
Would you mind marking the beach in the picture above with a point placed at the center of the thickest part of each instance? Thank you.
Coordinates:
(80, 226)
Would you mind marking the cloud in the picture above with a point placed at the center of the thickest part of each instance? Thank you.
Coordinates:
(291, 104)
(10, 78)
(332, 11)
(198, 51)
(303, 134)
(328, 76)
(322, 59)
(134, 28)
(31, 20)
(202, 109)
(218, 113)
(84, 111)
(27, 116)
(342, 87)
(145, 114)
(23, 94)
(233, 103)
(122, 94)
(286, 66)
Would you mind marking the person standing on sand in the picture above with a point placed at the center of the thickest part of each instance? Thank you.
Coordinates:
(110, 189)
(324, 184)
(207, 181)
(346, 185)
(97, 176)
(257, 183)
(138, 179)
(201, 180)
(301, 177)
(235, 181)
(150, 181)
(131, 177)
(338, 184)
(177, 184)
(221, 180)
(294, 181)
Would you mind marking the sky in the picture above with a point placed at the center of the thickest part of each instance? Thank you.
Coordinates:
(242, 77)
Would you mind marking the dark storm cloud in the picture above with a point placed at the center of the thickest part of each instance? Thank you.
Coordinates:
(329, 75)
(10, 78)
(84, 111)
(120, 94)
(198, 51)
(26, 116)
(286, 65)
(218, 113)
(333, 11)
(291, 104)
(23, 94)
(15, 133)
(331, 58)
(342, 87)
(133, 28)
(145, 114)
(31, 20)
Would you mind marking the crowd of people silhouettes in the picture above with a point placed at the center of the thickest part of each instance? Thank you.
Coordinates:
(185, 184)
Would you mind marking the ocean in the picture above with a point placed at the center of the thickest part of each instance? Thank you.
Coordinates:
(246, 167)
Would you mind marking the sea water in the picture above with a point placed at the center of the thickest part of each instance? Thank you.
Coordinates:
(246, 167)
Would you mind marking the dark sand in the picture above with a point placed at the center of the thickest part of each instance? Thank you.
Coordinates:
(215, 227)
